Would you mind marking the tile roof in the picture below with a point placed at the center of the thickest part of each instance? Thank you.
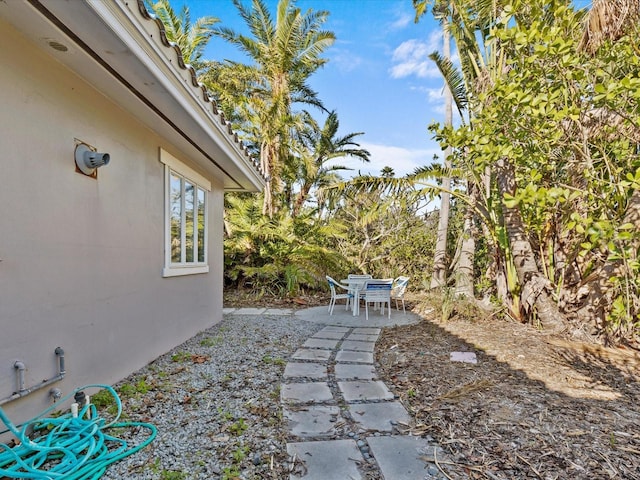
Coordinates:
(206, 97)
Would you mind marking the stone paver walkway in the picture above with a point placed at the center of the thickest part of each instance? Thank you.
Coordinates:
(342, 419)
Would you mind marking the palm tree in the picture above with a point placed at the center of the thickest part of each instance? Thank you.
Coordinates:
(608, 20)
(439, 276)
(455, 89)
(319, 147)
(285, 53)
(191, 38)
(482, 63)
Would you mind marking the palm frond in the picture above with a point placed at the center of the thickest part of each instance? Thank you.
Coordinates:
(454, 80)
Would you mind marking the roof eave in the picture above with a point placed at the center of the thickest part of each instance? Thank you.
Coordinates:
(121, 40)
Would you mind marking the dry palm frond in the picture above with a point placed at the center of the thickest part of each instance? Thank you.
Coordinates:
(608, 20)
(607, 124)
(601, 123)
(459, 393)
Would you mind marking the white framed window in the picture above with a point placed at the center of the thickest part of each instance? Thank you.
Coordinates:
(186, 195)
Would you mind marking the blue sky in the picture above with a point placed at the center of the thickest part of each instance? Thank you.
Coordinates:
(379, 78)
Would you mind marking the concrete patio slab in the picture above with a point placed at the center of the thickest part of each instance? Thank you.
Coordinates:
(343, 318)
(311, 354)
(279, 311)
(348, 371)
(314, 421)
(379, 416)
(320, 343)
(362, 337)
(308, 392)
(306, 370)
(327, 460)
(367, 331)
(329, 334)
(358, 346)
(360, 357)
(365, 390)
(250, 311)
(401, 457)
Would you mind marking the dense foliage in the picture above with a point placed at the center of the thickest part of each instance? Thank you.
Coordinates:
(552, 144)
(300, 235)
(545, 213)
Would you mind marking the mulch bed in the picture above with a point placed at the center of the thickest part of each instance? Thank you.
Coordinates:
(534, 406)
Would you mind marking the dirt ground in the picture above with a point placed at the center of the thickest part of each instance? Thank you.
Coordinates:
(533, 407)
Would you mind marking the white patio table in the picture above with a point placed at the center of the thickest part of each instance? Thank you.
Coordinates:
(355, 285)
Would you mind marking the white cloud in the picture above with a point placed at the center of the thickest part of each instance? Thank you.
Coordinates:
(412, 58)
(402, 21)
(402, 160)
(433, 95)
(346, 61)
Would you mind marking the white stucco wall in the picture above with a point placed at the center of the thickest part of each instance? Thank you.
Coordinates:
(81, 259)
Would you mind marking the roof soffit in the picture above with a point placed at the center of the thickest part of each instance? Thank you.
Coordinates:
(123, 39)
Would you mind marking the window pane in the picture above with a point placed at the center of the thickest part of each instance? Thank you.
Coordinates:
(189, 205)
(186, 210)
(201, 200)
(175, 208)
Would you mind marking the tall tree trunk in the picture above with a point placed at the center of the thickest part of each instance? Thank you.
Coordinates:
(267, 203)
(463, 270)
(301, 198)
(439, 277)
(534, 287)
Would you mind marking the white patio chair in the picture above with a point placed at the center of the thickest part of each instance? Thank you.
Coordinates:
(397, 291)
(377, 292)
(358, 287)
(348, 296)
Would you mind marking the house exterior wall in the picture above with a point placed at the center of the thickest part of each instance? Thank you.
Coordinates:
(82, 258)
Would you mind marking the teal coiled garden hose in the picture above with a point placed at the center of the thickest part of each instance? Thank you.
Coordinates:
(67, 447)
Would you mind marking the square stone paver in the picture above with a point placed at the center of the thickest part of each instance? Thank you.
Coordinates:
(334, 328)
(313, 421)
(359, 346)
(320, 343)
(378, 416)
(327, 460)
(362, 337)
(402, 457)
(466, 357)
(347, 356)
(331, 335)
(311, 354)
(306, 370)
(364, 390)
(367, 330)
(347, 371)
(308, 392)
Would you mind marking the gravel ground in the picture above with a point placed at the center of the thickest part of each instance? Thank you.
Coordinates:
(215, 401)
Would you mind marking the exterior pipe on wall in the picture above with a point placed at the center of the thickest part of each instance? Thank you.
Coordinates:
(20, 369)
(60, 354)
